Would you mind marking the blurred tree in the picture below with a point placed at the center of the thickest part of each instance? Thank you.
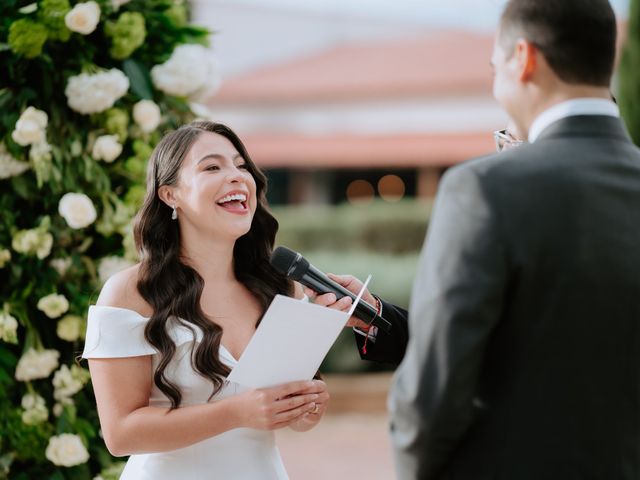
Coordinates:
(629, 74)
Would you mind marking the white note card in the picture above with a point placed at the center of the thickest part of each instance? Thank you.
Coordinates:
(290, 342)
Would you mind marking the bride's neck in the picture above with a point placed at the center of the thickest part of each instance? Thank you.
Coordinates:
(212, 259)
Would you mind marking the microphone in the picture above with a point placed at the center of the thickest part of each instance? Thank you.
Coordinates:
(296, 267)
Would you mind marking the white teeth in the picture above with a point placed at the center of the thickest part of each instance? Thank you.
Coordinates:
(236, 196)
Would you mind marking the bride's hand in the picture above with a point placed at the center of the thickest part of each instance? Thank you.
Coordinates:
(280, 406)
(308, 420)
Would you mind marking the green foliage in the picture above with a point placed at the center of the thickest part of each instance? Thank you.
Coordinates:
(629, 74)
(51, 14)
(379, 227)
(382, 240)
(45, 247)
(127, 34)
(27, 37)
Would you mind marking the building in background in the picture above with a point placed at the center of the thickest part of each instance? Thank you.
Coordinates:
(331, 104)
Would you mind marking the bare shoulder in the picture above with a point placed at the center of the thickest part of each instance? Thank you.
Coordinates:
(121, 290)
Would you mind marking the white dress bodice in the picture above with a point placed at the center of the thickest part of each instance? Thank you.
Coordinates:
(239, 454)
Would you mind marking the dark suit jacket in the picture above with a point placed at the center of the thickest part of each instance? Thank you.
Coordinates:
(524, 353)
(387, 347)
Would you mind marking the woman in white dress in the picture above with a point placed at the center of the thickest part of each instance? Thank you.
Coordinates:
(165, 333)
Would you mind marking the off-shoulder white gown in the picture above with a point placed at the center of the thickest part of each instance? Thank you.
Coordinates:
(239, 454)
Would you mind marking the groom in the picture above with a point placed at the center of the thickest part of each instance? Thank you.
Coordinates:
(523, 360)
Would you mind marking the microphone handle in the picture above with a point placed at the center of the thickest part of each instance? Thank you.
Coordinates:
(319, 282)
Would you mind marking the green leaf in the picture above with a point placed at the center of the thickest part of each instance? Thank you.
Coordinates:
(4, 47)
(139, 77)
(57, 476)
(7, 359)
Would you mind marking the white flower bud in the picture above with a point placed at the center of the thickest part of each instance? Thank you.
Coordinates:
(8, 328)
(70, 328)
(146, 114)
(67, 382)
(5, 257)
(116, 4)
(83, 17)
(106, 148)
(30, 127)
(61, 265)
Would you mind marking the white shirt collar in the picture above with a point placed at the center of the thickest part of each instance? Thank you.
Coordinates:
(569, 108)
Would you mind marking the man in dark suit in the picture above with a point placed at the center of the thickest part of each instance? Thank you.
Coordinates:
(524, 350)
(523, 360)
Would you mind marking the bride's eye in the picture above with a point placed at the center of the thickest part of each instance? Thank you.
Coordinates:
(212, 167)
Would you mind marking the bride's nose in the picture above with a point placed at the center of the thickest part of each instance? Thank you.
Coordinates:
(234, 175)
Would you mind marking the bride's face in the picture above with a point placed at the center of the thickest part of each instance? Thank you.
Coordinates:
(215, 192)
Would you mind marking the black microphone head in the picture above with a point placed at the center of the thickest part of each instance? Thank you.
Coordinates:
(289, 263)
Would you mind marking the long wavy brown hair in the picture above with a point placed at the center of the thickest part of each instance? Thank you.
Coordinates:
(173, 288)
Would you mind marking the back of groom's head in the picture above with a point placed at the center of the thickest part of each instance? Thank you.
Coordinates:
(576, 37)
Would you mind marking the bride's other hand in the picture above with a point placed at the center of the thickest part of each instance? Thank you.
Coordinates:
(278, 407)
(310, 419)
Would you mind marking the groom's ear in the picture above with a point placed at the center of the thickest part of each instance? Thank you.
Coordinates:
(527, 58)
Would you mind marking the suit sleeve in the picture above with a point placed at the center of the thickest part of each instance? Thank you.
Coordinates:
(456, 302)
(387, 347)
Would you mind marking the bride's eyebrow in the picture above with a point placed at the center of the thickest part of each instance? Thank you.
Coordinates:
(216, 156)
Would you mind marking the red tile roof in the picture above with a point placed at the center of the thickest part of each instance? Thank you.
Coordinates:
(443, 62)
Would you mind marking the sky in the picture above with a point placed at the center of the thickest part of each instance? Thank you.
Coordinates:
(481, 14)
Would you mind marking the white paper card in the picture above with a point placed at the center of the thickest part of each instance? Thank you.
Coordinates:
(290, 343)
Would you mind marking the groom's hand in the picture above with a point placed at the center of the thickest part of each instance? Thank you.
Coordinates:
(352, 284)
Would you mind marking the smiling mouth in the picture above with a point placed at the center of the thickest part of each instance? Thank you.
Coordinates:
(236, 202)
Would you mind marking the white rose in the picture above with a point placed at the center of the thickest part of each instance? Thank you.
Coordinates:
(8, 328)
(110, 266)
(97, 92)
(53, 305)
(30, 127)
(36, 364)
(5, 256)
(10, 166)
(106, 148)
(70, 328)
(146, 114)
(190, 71)
(83, 18)
(77, 209)
(66, 450)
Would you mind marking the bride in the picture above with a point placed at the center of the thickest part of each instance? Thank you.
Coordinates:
(166, 332)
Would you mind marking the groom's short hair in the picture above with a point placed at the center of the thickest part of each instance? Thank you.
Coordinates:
(576, 37)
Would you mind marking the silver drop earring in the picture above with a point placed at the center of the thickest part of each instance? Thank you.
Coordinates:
(174, 213)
